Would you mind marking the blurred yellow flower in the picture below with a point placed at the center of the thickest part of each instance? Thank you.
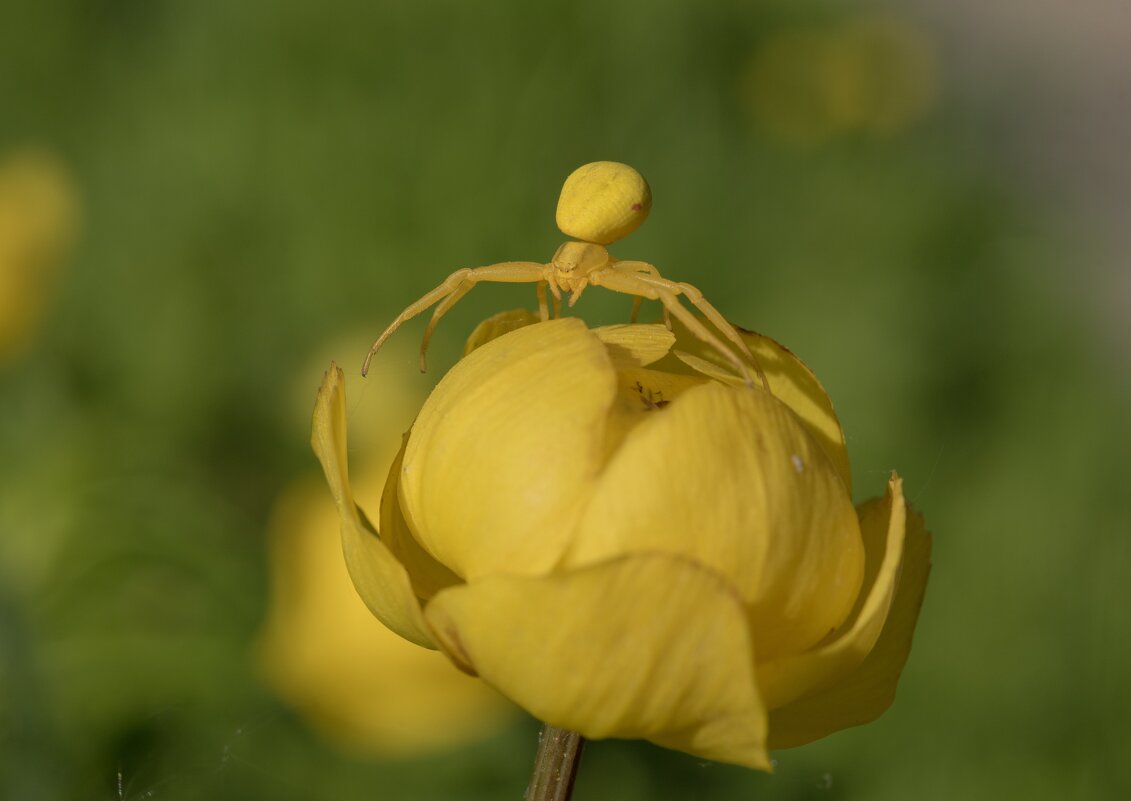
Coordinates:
(357, 683)
(38, 216)
(870, 75)
(611, 529)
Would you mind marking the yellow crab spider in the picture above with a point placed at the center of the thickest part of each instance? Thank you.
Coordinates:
(600, 203)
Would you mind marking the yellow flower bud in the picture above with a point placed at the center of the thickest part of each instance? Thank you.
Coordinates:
(627, 541)
(37, 223)
(356, 682)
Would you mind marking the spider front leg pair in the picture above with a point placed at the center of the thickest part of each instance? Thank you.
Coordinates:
(455, 286)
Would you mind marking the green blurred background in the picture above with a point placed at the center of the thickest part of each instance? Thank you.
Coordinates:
(261, 185)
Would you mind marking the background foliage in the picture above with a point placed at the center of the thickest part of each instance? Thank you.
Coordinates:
(260, 180)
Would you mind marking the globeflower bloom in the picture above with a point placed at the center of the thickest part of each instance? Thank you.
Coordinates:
(628, 540)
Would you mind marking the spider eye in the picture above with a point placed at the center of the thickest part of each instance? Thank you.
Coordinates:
(603, 202)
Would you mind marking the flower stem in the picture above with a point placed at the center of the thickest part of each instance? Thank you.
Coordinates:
(555, 766)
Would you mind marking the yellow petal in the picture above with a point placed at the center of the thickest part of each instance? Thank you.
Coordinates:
(427, 575)
(380, 579)
(647, 646)
(882, 525)
(851, 679)
(506, 449)
(731, 479)
(791, 381)
(635, 345)
(496, 325)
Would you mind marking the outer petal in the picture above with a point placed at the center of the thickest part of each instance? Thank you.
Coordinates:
(632, 345)
(648, 646)
(883, 523)
(635, 345)
(731, 479)
(864, 694)
(498, 324)
(791, 381)
(380, 579)
(852, 679)
(506, 449)
(427, 575)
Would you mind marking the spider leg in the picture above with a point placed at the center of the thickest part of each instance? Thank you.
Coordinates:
(516, 272)
(543, 309)
(648, 269)
(671, 302)
(696, 299)
(651, 276)
(441, 309)
(551, 280)
(624, 281)
(555, 290)
(578, 288)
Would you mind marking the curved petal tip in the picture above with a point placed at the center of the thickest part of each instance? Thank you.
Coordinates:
(380, 579)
